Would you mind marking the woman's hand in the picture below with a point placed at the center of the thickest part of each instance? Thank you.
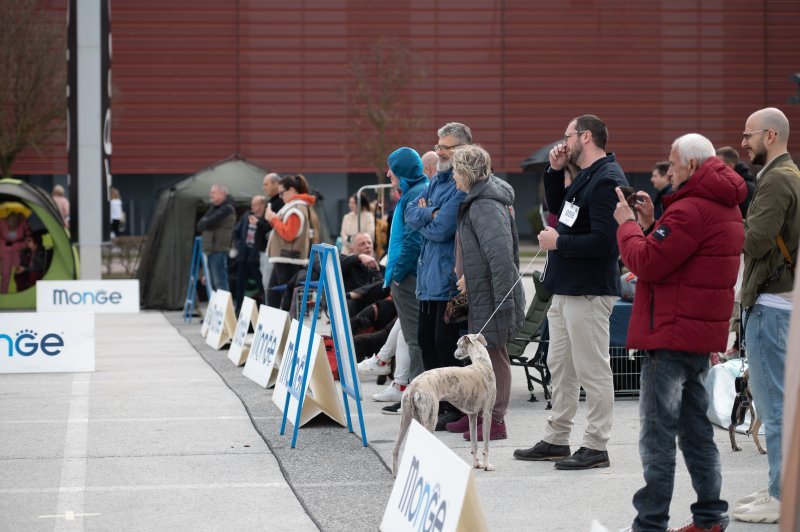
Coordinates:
(269, 214)
(461, 284)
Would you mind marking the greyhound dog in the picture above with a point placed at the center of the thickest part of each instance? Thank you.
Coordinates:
(471, 389)
(744, 405)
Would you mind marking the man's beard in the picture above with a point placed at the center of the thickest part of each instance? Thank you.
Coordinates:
(574, 155)
(443, 165)
(760, 155)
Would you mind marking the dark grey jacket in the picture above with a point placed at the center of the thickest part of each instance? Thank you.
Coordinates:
(490, 256)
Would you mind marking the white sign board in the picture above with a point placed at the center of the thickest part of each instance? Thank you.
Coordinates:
(111, 297)
(269, 340)
(240, 344)
(207, 317)
(37, 343)
(434, 489)
(320, 393)
(223, 320)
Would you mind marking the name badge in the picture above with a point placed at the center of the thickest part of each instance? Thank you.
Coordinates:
(569, 214)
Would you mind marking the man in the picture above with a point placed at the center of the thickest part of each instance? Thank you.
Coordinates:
(429, 161)
(270, 185)
(687, 266)
(660, 180)
(249, 231)
(767, 290)
(216, 227)
(434, 215)
(405, 173)
(730, 157)
(582, 273)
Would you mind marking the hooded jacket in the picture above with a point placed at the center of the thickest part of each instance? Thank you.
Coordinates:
(216, 226)
(687, 266)
(490, 255)
(436, 278)
(289, 241)
(404, 242)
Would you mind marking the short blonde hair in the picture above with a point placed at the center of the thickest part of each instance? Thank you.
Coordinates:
(472, 163)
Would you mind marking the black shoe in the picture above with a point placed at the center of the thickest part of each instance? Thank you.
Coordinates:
(448, 416)
(584, 458)
(543, 451)
(393, 409)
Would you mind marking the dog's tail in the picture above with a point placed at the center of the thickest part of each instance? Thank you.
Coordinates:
(405, 423)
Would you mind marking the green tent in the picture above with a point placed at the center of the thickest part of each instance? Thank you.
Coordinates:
(44, 219)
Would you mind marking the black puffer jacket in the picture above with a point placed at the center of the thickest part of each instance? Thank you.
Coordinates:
(490, 255)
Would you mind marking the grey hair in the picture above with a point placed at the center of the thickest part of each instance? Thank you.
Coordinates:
(472, 163)
(457, 130)
(693, 146)
(222, 188)
(272, 176)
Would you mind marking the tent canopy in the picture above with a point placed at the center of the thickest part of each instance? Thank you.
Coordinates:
(44, 219)
(167, 253)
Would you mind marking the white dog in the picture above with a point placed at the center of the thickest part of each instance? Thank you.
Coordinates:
(471, 389)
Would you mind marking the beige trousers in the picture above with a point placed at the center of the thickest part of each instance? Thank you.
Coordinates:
(578, 357)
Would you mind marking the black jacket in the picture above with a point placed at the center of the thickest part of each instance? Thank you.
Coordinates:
(658, 201)
(585, 261)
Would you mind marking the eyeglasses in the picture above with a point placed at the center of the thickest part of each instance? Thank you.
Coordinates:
(568, 135)
(445, 147)
(747, 134)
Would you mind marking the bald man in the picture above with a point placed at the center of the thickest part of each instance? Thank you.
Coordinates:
(772, 231)
(270, 185)
(429, 161)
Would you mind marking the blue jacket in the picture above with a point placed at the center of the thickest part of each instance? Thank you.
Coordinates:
(404, 242)
(585, 261)
(436, 277)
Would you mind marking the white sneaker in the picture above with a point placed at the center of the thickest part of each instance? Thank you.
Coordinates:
(752, 497)
(391, 394)
(373, 366)
(766, 509)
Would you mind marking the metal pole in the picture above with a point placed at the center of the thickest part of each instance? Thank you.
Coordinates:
(358, 201)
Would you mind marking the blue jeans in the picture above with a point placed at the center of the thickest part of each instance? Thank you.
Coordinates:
(673, 402)
(218, 270)
(766, 330)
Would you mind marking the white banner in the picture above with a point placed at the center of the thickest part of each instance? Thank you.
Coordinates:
(434, 489)
(223, 320)
(37, 343)
(112, 296)
(269, 338)
(241, 342)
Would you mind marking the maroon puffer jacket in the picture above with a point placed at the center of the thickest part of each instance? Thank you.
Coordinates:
(687, 265)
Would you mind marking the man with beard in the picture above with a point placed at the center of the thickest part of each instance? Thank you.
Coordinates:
(582, 274)
(772, 230)
(434, 215)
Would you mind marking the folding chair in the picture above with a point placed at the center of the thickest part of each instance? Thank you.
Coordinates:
(534, 329)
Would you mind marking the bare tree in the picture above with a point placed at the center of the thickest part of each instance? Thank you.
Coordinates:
(378, 94)
(33, 82)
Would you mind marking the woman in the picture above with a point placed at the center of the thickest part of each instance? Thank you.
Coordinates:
(117, 223)
(350, 222)
(487, 264)
(289, 244)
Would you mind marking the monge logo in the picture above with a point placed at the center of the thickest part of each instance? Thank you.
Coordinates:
(87, 297)
(423, 505)
(27, 343)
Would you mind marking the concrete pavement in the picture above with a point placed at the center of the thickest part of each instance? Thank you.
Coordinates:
(167, 435)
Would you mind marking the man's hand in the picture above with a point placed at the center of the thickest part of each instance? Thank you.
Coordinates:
(252, 219)
(548, 238)
(461, 284)
(422, 203)
(623, 212)
(368, 261)
(645, 208)
(558, 156)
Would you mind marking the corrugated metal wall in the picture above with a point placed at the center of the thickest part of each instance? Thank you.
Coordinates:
(198, 80)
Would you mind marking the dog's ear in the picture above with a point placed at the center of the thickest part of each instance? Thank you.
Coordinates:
(479, 337)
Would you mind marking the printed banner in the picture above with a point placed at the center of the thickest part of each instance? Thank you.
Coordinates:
(117, 296)
(36, 343)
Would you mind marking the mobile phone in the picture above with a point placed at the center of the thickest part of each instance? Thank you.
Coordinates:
(630, 196)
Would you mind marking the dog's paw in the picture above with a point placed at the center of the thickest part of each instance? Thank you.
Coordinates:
(736, 448)
(761, 451)
(489, 467)
(477, 464)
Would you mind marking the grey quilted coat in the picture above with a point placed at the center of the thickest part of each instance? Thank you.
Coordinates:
(490, 256)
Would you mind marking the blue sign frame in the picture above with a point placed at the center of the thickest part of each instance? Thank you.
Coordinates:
(199, 260)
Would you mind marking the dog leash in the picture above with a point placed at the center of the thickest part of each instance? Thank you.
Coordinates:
(512, 288)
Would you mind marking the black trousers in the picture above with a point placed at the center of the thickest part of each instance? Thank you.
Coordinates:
(281, 274)
(437, 339)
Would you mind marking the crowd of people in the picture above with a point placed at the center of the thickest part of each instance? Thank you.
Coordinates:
(452, 236)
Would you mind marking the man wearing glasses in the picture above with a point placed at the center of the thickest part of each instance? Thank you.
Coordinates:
(582, 274)
(772, 230)
(434, 215)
